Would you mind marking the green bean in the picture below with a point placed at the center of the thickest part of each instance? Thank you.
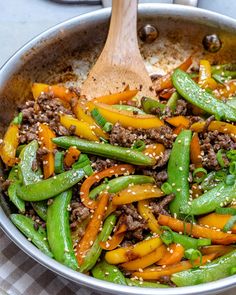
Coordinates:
(41, 209)
(219, 196)
(144, 284)
(124, 107)
(149, 105)
(108, 272)
(38, 237)
(215, 270)
(15, 183)
(178, 171)
(95, 251)
(117, 184)
(105, 150)
(50, 187)
(58, 230)
(197, 96)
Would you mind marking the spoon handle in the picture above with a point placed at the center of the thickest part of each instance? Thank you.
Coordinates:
(122, 36)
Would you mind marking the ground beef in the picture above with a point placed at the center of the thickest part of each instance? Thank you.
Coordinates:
(158, 207)
(159, 176)
(166, 281)
(127, 136)
(211, 143)
(45, 110)
(181, 108)
(163, 159)
(100, 164)
(78, 212)
(194, 119)
(135, 223)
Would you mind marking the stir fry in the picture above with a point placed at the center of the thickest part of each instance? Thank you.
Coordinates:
(138, 192)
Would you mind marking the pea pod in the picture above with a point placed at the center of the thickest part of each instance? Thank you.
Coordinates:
(105, 150)
(215, 270)
(143, 284)
(12, 189)
(124, 107)
(58, 230)
(194, 94)
(219, 196)
(108, 272)
(172, 101)
(117, 184)
(178, 171)
(38, 237)
(50, 187)
(41, 209)
(95, 251)
(149, 105)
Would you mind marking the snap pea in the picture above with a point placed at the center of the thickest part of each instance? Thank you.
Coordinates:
(124, 107)
(172, 101)
(186, 241)
(95, 251)
(215, 270)
(105, 150)
(197, 96)
(59, 165)
(143, 284)
(19, 149)
(27, 158)
(41, 209)
(231, 102)
(58, 230)
(178, 171)
(117, 184)
(231, 222)
(219, 196)
(50, 187)
(15, 183)
(149, 105)
(108, 272)
(38, 237)
(28, 175)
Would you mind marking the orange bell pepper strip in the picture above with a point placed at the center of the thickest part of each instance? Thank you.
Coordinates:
(110, 209)
(71, 156)
(136, 193)
(154, 150)
(125, 118)
(166, 93)
(96, 177)
(146, 213)
(147, 260)
(173, 255)
(117, 238)
(220, 249)
(204, 78)
(81, 115)
(58, 91)
(9, 145)
(116, 98)
(178, 129)
(216, 221)
(92, 228)
(82, 129)
(45, 137)
(222, 127)
(154, 273)
(178, 120)
(124, 254)
(227, 91)
(197, 231)
(165, 81)
(195, 151)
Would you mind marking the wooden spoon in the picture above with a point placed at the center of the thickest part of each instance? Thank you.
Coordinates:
(120, 63)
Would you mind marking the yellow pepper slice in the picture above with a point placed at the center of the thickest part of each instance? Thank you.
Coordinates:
(9, 145)
(116, 98)
(146, 213)
(82, 129)
(178, 120)
(216, 220)
(146, 260)
(205, 79)
(125, 118)
(138, 250)
(137, 193)
(81, 115)
(222, 127)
